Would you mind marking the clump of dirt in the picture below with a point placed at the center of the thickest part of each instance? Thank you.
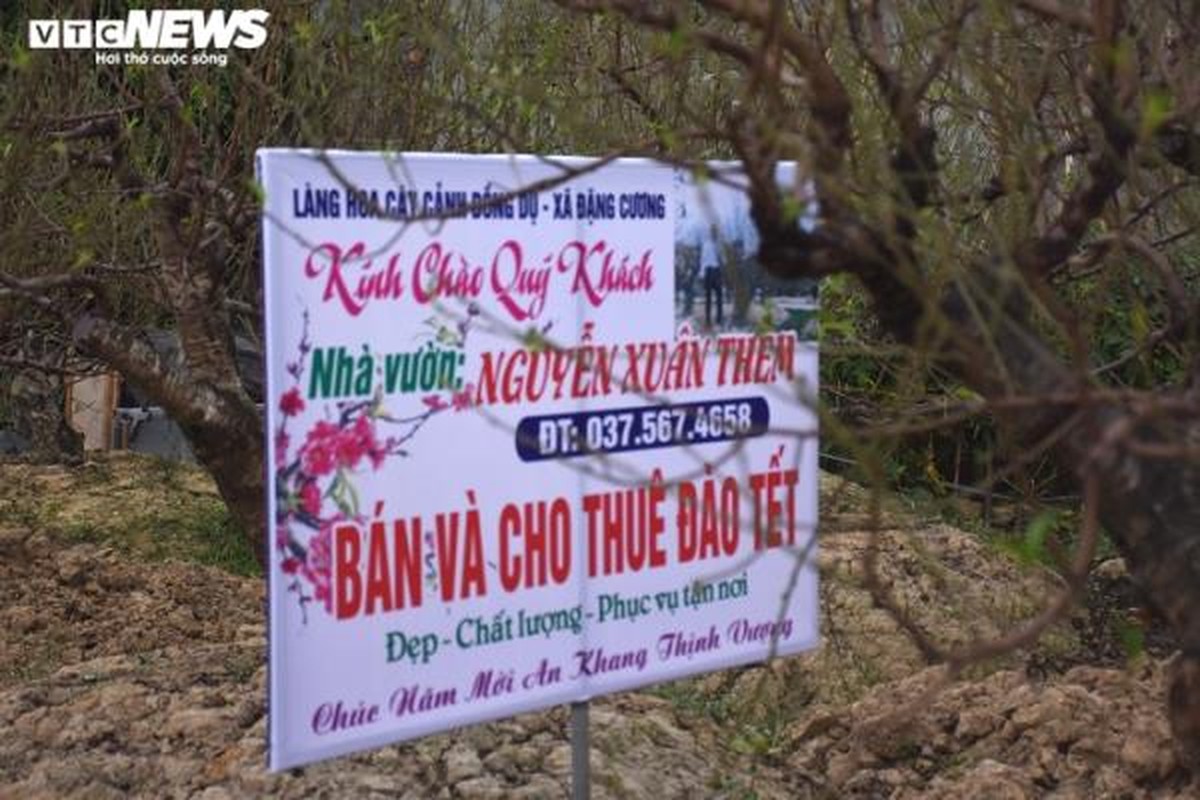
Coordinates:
(1091, 732)
(63, 602)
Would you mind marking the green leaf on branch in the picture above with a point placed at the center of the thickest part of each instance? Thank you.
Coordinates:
(1032, 549)
(1133, 638)
(1156, 110)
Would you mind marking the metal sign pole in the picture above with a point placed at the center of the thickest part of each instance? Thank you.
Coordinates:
(581, 777)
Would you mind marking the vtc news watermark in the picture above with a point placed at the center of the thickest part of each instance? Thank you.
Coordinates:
(161, 37)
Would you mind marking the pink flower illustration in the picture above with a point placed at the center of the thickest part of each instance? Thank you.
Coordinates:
(314, 483)
(434, 402)
(318, 455)
(310, 498)
(463, 400)
(329, 446)
(317, 567)
(282, 441)
(291, 403)
(283, 535)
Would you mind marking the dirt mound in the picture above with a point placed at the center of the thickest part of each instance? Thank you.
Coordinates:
(190, 722)
(126, 671)
(61, 603)
(1092, 732)
(950, 582)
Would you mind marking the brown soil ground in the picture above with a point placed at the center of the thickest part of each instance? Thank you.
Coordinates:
(128, 668)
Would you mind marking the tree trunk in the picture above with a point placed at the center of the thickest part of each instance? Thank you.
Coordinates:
(232, 452)
(1150, 497)
(220, 420)
(1150, 504)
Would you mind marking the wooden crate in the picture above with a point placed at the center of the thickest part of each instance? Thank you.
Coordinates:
(91, 407)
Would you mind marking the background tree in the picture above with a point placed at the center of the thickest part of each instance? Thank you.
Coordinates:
(128, 203)
(1013, 187)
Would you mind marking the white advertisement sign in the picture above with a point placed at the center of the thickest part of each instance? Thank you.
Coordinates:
(537, 432)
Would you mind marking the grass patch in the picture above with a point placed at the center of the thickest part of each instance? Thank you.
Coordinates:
(689, 698)
(208, 535)
(146, 506)
(201, 532)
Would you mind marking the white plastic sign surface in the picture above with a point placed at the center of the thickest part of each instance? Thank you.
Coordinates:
(537, 432)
